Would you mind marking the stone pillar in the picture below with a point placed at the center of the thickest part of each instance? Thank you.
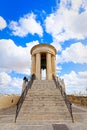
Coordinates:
(49, 69)
(49, 53)
(53, 65)
(33, 71)
(38, 66)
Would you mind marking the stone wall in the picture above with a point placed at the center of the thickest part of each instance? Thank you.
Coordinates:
(8, 100)
(80, 100)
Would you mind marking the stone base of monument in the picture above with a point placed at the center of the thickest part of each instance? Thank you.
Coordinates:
(43, 105)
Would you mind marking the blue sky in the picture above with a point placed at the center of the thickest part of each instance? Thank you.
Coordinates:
(61, 23)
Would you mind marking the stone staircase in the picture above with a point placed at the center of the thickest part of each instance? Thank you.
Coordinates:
(43, 105)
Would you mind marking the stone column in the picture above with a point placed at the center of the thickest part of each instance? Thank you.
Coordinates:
(53, 65)
(33, 71)
(49, 69)
(38, 66)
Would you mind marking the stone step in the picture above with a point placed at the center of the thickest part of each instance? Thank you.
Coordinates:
(43, 82)
(43, 112)
(43, 116)
(36, 95)
(58, 112)
(42, 100)
(43, 103)
(49, 85)
(43, 87)
(42, 122)
(35, 110)
(44, 97)
(43, 94)
(43, 106)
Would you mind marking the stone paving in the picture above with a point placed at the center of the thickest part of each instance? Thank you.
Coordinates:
(77, 125)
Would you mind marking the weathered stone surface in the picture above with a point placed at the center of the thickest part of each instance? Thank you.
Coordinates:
(43, 104)
(80, 123)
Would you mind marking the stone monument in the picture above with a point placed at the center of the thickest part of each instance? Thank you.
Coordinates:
(43, 57)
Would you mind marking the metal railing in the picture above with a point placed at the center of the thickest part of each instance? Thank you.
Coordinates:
(23, 95)
(68, 103)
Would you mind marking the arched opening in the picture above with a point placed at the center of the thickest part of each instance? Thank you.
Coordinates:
(43, 74)
(43, 66)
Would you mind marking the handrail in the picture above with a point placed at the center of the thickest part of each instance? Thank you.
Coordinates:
(63, 93)
(23, 95)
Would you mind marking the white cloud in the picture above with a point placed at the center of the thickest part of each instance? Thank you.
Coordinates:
(73, 4)
(76, 53)
(56, 45)
(76, 5)
(4, 79)
(58, 69)
(26, 25)
(15, 57)
(3, 23)
(76, 83)
(9, 85)
(67, 23)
